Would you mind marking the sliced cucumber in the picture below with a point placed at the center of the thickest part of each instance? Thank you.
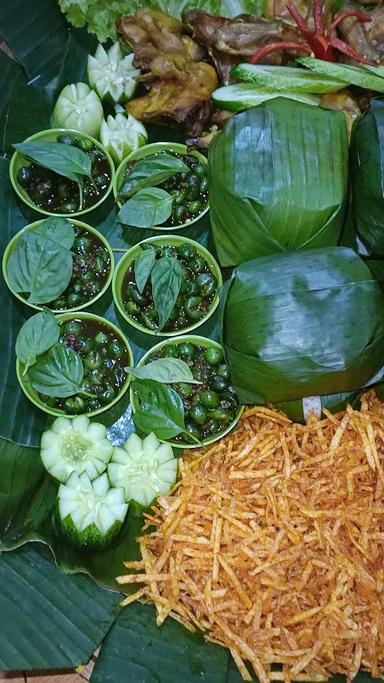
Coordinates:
(78, 107)
(90, 514)
(245, 95)
(352, 75)
(112, 75)
(75, 446)
(144, 468)
(122, 135)
(286, 79)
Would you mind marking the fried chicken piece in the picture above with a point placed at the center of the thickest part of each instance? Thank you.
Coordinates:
(342, 101)
(367, 38)
(184, 99)
(149, 32)
(230, 41)
(180, 84)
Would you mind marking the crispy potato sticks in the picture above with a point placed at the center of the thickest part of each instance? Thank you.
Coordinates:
(272, 543)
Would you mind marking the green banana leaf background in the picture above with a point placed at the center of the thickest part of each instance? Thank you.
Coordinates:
(367, 175)
(289, 191)
(56, 604)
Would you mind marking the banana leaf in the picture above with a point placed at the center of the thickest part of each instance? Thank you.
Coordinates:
(367, 175)
(278, 180)
(311, 323)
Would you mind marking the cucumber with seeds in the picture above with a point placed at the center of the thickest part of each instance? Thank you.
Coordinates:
(145, 468)
(287, 78)
(89, 514)
(76, 445)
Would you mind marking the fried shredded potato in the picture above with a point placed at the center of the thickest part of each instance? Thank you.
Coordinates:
(272, 543)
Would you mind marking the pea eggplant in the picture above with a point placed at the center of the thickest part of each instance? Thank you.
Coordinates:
(57, 194)
(193, 297)
(211, 406)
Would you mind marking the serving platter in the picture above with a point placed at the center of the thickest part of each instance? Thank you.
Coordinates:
(59, 604)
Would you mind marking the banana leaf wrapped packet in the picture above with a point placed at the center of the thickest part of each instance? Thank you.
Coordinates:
(278, 177)
(307, 323)
(367, 175)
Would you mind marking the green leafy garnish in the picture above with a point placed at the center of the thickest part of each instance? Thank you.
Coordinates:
(150, 172)
(58, 229)
(147, 208)
(58, 372)
(66, 160)
(164, 370)
(167, 277)
(144, 263)
(35, 337)
(39, 266)
(161, 409)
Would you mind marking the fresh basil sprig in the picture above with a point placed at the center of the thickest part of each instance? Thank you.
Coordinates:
(41, 263)
(150, 172)
(164, 370)
(58, 229)
(161, 409)
(147, 208)
(58, 372)
(144, 263)
(167, 276)
(35, 337)
(66, 160)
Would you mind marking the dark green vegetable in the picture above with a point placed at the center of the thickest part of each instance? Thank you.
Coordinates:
(36, 336)
(367, 170)
(289, 190)
(162, 291)
(207, 410)
(150, 172)
(166, 280)
(161, 409)
(322, 331)
(147, 208)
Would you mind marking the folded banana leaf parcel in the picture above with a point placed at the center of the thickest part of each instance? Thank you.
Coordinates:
(306, 323)
(278, 178)
(367, 175)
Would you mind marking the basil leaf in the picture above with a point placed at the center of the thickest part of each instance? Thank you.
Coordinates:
(161, 410)
(59, 230)
(39, 266)
(36, 336)
(166, 277)
(65, 160)
(164, 370)
(144, 263)
(147, 208)
(150, 172)
(58, 372)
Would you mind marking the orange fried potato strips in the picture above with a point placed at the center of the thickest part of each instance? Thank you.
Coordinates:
(272, 543)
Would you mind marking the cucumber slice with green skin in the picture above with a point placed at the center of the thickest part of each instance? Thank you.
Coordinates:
(145, 468)
(287, 79)
(89, 514)
(352, 75)
(75, 446)
(112, 75)
(244, 96)
(122, 135)
(78, 107)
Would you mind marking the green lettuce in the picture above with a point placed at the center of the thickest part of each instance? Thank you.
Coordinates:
(100, 17)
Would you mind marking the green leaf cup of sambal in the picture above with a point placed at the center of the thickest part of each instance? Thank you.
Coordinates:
(208, 408)
(77, 368)
(162, 186)
(62, 172)
(58, 264)
(167, 285)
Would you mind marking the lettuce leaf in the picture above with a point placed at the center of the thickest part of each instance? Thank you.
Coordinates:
(100, 17)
